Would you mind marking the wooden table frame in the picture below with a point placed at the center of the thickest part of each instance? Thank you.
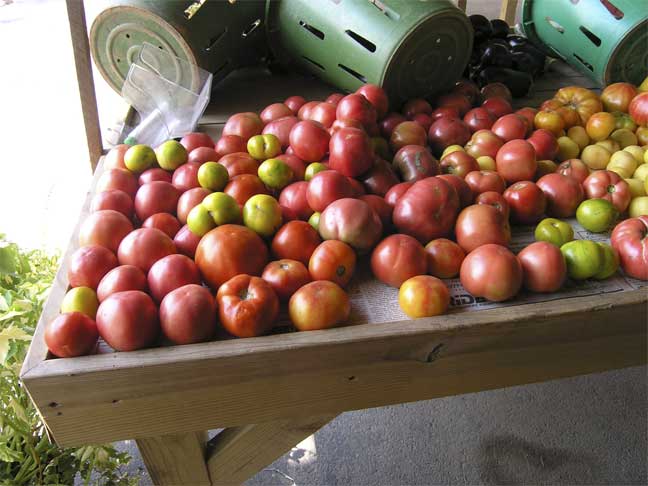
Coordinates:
(269, 393)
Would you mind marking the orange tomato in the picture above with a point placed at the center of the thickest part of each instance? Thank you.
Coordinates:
(575, 101)
(319, 305)
(333, 260)
(550, 120)
(423, 296)
(600, 125)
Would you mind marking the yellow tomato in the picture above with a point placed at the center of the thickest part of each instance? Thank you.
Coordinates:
(579, 135)
(623, 163)
(81, 299)
(450, 149)
(611, 145)
(636, 187)
(423, 296)
(567, 149)
(641, 172)
(596, 156)
(624, 137)
(637, 152)
(486, 162)
(638, 207)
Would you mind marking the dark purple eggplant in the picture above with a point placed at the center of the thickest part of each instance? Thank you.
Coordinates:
(518, 82)
(527, 63)
(496, 55)
(481, 27)
(499, 28)
(516, 40)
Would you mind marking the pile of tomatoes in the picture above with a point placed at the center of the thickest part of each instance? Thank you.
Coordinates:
(197, 239)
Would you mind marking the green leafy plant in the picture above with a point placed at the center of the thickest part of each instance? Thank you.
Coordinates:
(27, 455)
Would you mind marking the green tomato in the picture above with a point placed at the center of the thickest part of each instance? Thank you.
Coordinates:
(80, 299)
(610, 262)
(313, 169)
(139, 157)
(213, 176)
(263, 147)
(275, 173)
(199, 221)
(171, 155)
(223, 208)
(596, 215)
(314, 221)
(554, 231)
(584, 258)
(262, 214)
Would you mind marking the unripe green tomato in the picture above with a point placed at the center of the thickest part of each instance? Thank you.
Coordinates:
(554, 231)
(610, 262)
(596, 215)
(275, 173)
(584, 258)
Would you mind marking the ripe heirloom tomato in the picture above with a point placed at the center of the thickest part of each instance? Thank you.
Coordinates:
(605, 184)
(154, 174)
(115, 157)
(280, 128)
(495, 199)
(274, 112)
(247, 306)
(510, 127)
(89, 264)
(528, 114)
(319, 305)
(170, 273)
(444, 258)
(544, 267)
(327, 186)
(356, 107)
(306, 109)
(245, 125)
(600, 125)
(493, 272)
(285, 277)
(575, 105)
(185, 177)
(351, 221)
(459, 163)
(423, 296)
(563, 194)
(461, 187)
(382, 209)
(391, 121)
(196, 139)
(526, 201)
(239, 163)
(479, 119)
(617, 96)
(114, 199)
(575, 168)
(545, 144)
(484, 142)
(121, 179)
(497, 106)
(407, 133)
(165, 222)
(398, 258)
(156, 197)
(413, 107)
(188, 315)
(380, 178)
(415, 162)
(481, 181)
(638, 109)
(243, 187)
(323, 113)
(186, 242)
(350, 152)
(395, 193)
(309, 140)
(479, 225)
(294, 103)
(230, 250)
(333, 260)
(229, 144)
(377, 97)
(188, 200)
(143, 247)
(630, 239)
(550, 120)
(445, 132)
(71, 334)
(516, 161)
(120, 279)
(105, 228)
(201, 155)
(293, 198)
(455, 100)
(295, 240)
(427, 210)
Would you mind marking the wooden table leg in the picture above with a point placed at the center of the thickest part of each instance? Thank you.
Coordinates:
(240, 452)
(177, 459)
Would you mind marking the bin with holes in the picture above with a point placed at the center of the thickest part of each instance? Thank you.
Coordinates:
(606, 40)
(411, 48)
(218, 36)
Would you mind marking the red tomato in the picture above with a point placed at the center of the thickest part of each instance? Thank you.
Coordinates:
(381, 208)
(185, 177)
(350, 152)
(188, 315)
(323, 113)
(128, 321)
(496, 90)
(427, 210)
(496, 200)
(115, 157)
(529, 115)
(293, 198)
(424, 120)
(468, 89)
(274, 112)
(71, 334)
(605, 184)
(165, 222)
(319, 305)
(413, 107)
(484, 181)
(423, 296)
(188, 200)
(143, 247)
(407, 133)
(479, 119)
(114, 199)
(527, 202)
(351, 221)
(296, 240)
(121, 179)
(243, 187)
(309, 140)
(286, 277)
(89, 264)
(306, 109)
(294, 103)
(196, 139)
(415, 162)
(630, 239)
(377, 97)
(391, 121)
(121, 279)
(356, 107)
(617, 96)
(327, 186)
(239, 163)
(464, 192)
(491, 271)
(516, 161)
(332, 260)
(545, 144)
(497, 106)
(459, 163)
(281, 128)
(510, 127)
(186, 242)
(334, 98)
(395, 193)
(398, 258)
(638, 109)
(380, 178)
(338, 124)
(479, 225)
(443, 258)
(170, 273)
(455, 100)
(229, 144)
(105, 228)
(544, 267)
(563, 194)
(156, 197)
(201, 155)
(297, 165)
(445, 132)
(245, 125)
(575, 168)
(444, 112)
(484, 142)
(153, 174)
(247, 306)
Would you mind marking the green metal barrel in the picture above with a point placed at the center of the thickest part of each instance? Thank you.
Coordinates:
(606, 40)
(217, 35)
(412, 48)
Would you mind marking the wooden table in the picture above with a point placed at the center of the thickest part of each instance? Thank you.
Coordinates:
(269, 393)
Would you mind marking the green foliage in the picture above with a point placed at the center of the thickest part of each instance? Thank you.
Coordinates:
(27, 456)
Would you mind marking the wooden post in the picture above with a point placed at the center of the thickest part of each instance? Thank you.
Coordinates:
(461, 5)
(507, 11)
(83, 64)
(176, 459)
(241, 452)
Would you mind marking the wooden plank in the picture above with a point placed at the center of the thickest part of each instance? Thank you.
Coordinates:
(109, 397)
(83, 64)
(176, 458)
(238, 453)
(508, 11)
